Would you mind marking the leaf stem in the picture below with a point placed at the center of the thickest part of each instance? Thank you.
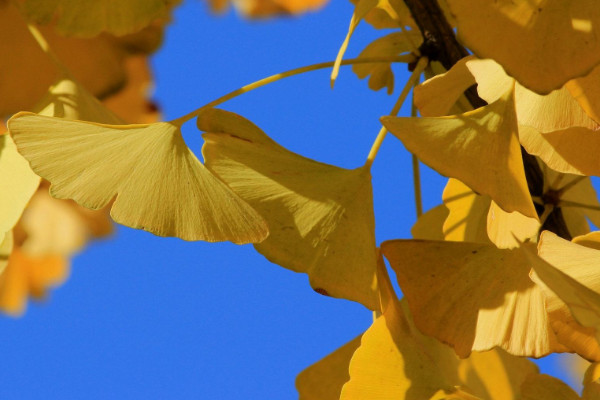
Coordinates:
(416, 171)
(421, 64)
(296, 71)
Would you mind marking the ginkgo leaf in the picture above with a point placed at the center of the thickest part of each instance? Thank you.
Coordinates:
(320, 217)
(6, 247)
(436, 96)
(569, 272)
(324, 379)
(462, 145)
(389, 14)
(25, 276)
(467, 213)
(557, 40)
(591, 383)
(541, 386)
(361, 9)
(396, 361)
(562, 151)
(472, 296)
(591, 240)
(429, 225)
(17, 184)
(381, 74)
(89, 18)
(508, 230)
(587, 92)
(157, 182)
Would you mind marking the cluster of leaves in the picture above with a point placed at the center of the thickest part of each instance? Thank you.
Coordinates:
(479, 297)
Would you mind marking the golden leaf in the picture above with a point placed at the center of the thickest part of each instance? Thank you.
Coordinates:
(389, 14)
(461, 147)
(324, 379)
(557, 39)
(429, 225)
(17, 184)
(567, 274)
(396, 361)
(507, 230)
(158, 183)
(472, 296)
(269, 8)
(587, 92)
(320, 217)
(467, 213)
(381, 74)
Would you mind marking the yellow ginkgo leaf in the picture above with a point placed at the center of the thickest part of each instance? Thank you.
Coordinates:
(467, 211)
(462, 145)
(587, 92)
(570, 151)
(89, 18)
(25, 276)
(507, 230)
(381, 74)
(324, 379)
(472, 296)
(361, 9)
(591, 240)
(396, 361)
(541, 386)
(429, 225)
(17, 184)
(389, 14)
(558, 40)
(320, 217)
(436, 96)
(568, 275)
(6, 247)
(591, 383)
(156, 182)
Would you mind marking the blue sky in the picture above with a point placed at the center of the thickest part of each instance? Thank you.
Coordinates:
(154, 318)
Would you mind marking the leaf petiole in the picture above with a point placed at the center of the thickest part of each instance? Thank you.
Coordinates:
(419, 68)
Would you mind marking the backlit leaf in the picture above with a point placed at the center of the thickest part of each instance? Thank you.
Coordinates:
(324, 379)
(157, 182)
(467, 213)
(396, 361)
(472, 296)
(320, 217)
(462, 145)
(17, 184)
(507, 230)
(557, 40)
(429, 225)
(587, 92)
(570, 272)
(269, 8)
(6, 247)
(381, 74)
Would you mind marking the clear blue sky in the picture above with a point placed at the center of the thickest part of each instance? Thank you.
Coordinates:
(151, 318)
